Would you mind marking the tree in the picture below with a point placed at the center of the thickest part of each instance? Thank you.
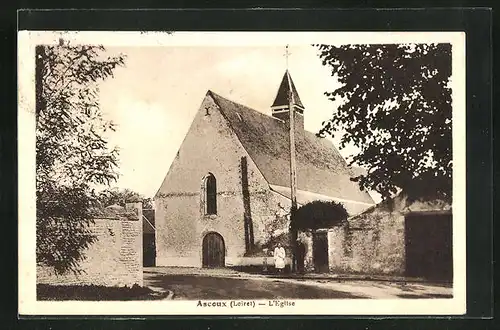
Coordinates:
(121, 197)
(319, 214)
(276, 230)
(147, 203)
(396, 109)
(72, 155)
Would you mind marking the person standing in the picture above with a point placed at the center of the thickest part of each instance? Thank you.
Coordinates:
(279, 258)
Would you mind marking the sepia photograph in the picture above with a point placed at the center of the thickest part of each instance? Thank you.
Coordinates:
(194, 173)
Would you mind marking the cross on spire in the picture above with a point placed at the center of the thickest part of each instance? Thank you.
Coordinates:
(287, 54)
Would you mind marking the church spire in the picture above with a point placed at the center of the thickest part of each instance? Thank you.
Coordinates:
(284, 90)
(280, 108)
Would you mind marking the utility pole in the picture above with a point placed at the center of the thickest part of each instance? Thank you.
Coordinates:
(293, 166)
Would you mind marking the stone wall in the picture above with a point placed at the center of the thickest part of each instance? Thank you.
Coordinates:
(374, 241)
(336, 247)
(115, 259)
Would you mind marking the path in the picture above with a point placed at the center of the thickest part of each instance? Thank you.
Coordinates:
(195, 283)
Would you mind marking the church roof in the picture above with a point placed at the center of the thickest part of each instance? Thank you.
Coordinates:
(283, 92)
(320, 167)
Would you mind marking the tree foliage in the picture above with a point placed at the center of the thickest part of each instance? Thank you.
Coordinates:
(72, 155)
(396, 109)
(319, 214)
(276, 230)
(121, 197)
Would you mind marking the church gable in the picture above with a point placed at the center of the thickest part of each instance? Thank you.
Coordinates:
(212, 186)
(210, 146)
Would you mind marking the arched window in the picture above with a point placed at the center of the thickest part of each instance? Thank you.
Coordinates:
(210, 194)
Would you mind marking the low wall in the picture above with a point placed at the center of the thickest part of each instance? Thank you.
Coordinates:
(336, 248)
(374, 241)
(115, 259)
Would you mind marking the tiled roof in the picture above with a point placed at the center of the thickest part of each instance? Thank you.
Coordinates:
(320, 167)
(304, 197)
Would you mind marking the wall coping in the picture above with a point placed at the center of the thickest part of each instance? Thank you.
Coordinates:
(426, 212)
(320, 230)
(116, 219)
(437, 207)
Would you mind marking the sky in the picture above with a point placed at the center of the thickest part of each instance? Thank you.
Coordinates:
(154, 97)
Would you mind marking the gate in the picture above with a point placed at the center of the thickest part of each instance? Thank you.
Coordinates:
(428, 246)
(301, 254)
(213, 251)
(148, 250)
(320, 252)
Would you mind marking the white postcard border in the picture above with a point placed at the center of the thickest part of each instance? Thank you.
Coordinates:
(28, 305)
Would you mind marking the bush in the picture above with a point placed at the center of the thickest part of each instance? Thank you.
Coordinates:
(319, 214)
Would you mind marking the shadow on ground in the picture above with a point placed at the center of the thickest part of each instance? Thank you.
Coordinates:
(426, 296)
(206, 287)
(96, 293)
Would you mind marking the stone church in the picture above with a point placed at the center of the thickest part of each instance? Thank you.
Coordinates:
(230, 180)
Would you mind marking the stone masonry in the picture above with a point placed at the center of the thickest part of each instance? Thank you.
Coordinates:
(211, 147)
(372, 242)
(115, 259)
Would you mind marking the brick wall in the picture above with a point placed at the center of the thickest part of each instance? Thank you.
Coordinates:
(115, 259)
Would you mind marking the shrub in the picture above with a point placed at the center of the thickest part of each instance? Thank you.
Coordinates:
(319, 214)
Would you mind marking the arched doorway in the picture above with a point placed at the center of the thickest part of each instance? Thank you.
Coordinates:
(213, 250)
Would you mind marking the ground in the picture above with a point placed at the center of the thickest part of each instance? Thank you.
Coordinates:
(98, 293)
(195, 283)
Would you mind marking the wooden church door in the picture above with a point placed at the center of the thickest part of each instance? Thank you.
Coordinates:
(213, 251)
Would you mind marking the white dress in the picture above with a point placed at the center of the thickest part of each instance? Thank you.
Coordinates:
(279, 257)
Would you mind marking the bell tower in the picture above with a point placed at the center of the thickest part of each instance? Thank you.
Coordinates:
(281, 105)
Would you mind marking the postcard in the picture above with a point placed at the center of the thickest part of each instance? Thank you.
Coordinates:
(241, 173)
